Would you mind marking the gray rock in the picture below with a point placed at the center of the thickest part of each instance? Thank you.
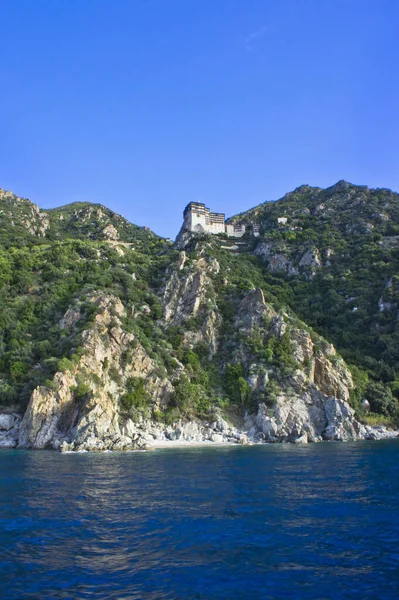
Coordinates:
(9, 430)
(8, 441)
(129, 428)
(191, 431)
(170, 434)
(303, 439)
(222, 425)
(308, 418)
(65, 447)
(8, 421)
(217, 438)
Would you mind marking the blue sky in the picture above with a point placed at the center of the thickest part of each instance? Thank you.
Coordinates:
(146, 105)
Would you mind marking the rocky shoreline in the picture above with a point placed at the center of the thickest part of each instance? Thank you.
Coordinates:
(338, 424)
(83, 409)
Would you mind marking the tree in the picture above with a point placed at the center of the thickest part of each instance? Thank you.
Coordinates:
(235, 384)
(381, 399)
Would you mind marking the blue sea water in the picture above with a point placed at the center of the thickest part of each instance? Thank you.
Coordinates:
(276, 521)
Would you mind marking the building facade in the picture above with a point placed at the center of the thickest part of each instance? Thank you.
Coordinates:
(199, 219)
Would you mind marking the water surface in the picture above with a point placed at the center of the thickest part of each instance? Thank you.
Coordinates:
(277, 521)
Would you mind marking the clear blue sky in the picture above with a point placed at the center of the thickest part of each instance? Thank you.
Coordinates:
(145, 105)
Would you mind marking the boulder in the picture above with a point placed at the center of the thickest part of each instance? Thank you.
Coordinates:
(217, 438)
(8, 421)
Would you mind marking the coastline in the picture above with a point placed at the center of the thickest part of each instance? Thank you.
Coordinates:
(184, 444)
(161, 444)
(148, 435)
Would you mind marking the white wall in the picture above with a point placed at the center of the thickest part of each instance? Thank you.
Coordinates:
(195, 221)
(231, 233)
(199, 221)
(216, 228)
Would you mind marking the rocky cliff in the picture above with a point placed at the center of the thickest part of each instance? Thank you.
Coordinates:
(111, 339)
(85, 406)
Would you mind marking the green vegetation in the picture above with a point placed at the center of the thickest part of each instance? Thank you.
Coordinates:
(136, 395)
(81, 391)
(41, 277)
(236, 385)
(59, 260)
(352, 299)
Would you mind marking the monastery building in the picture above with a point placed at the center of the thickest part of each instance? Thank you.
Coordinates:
(199, 219)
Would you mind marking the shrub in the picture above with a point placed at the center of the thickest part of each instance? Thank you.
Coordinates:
(235, 384)
(65, 365)
(136, 395)
(81, 391)
(381, 399)
(18, 370)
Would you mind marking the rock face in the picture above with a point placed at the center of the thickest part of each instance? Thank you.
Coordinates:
(184, 291)
(300, 384)
(110, 232)
(281, 258)
(312, 418)
(9, 429)
(188, 293)
(317, 362)
(218, 431)
(92, 419)
(311, 403)
(24, 213)
(276, 257)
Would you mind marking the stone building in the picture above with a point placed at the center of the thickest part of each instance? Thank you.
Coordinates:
(199, 219)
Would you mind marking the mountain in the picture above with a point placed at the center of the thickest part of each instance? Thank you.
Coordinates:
(111, 338)
(50, 259)
(23, 222)
(335, 253)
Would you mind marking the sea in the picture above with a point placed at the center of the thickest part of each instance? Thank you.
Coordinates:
(279, 521)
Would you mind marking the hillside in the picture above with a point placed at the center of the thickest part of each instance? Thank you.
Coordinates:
(25, 223)
(335, 261)
(50, 259)
(109, 335)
